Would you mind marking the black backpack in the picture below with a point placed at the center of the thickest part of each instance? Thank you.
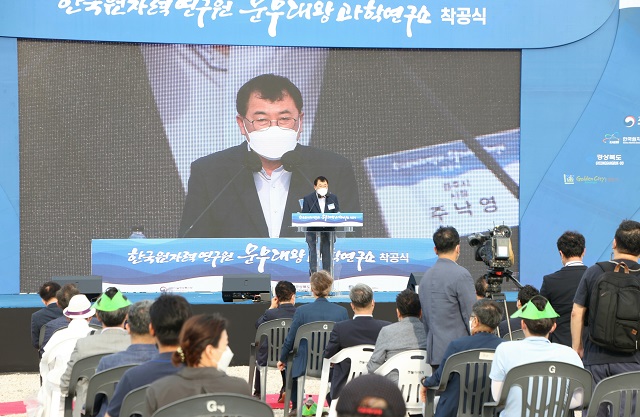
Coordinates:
(614, 309)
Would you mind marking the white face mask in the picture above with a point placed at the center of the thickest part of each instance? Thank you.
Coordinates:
(322, 191)
(470, 325)
(273, 142)
(225, 359)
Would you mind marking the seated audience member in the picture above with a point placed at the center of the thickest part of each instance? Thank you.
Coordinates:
(282, 306)
(484, 319)
(50, 311)
(63, 296)
(320, 310)
(141, 349)
(57, 352)
(168, 313)
(407, 334)
(362, 330)
(111, 309)
(561, 286)
(538, 321)
(524, 295)
(371, 395)
(204, 350)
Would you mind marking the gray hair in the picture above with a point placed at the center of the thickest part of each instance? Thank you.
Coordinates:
(488, 312)
(139, 318)
(361, 295)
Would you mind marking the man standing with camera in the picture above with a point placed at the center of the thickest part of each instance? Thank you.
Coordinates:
(447, 294)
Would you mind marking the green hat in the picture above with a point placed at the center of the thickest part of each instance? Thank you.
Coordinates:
(118, 301)
(530, 311)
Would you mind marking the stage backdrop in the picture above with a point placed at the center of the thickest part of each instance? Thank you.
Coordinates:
(476, 115)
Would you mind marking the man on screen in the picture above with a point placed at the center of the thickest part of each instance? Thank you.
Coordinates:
(250, 190)
(320, 201)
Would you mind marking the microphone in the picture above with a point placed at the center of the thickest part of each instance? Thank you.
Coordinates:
(291, 162)
(251, 162)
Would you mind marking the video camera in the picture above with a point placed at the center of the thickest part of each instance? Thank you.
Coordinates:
(494, 249)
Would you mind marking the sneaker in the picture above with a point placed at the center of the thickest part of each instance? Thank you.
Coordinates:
(293, 412)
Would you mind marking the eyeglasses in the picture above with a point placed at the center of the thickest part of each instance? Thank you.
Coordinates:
(284, 122)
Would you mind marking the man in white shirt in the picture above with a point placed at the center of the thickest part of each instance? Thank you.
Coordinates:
(538, 321)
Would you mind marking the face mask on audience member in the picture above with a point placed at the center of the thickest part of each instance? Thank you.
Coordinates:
(225, 359)
(322, 191)
(273, 142)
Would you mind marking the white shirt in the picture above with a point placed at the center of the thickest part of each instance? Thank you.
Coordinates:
(322, 202)
(272, 192)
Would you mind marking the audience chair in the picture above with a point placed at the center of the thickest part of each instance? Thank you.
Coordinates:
(620, 393)
(472, 368)
(514, 335)
(134, 403)
(227, 405)
(411, 366)
(84, 368)
(41, 335)
(316, 336)
(546, 389)
(358, 355)
(275, 332)
(102, 385)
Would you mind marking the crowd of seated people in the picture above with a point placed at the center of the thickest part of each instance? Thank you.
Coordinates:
(179, 355)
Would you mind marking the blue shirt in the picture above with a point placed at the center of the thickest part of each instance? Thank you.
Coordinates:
(134, 354)
(146, 373)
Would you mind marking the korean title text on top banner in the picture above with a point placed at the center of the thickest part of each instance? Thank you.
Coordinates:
(272, 11)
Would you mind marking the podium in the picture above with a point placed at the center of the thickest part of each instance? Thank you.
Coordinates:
(332, 222)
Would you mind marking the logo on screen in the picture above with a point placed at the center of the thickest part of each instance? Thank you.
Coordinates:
(630, 121)
(568, 179)
(611, 138)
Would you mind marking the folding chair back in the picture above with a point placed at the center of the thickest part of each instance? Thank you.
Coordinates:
(359, 356)
(84, 368)
(411, 366)
(514, 335)
(102, 385)
(621, 393)
(546, 388)
(134, 403)
(274, 333)
(472, 368)
(227, 405)
(316, 336)
(43, 329)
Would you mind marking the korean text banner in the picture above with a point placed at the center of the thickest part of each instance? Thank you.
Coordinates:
(186, 265)
(322, 23)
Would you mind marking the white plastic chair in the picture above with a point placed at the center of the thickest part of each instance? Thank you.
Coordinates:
(411, 366)
(359, 356)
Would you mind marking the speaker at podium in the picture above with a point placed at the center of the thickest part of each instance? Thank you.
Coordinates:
(243, 287)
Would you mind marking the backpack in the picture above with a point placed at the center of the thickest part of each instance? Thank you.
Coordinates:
(614, 309)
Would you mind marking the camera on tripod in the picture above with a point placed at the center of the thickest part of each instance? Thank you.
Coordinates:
(494, 249)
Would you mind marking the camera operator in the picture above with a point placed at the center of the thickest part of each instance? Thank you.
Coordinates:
(447, 294)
